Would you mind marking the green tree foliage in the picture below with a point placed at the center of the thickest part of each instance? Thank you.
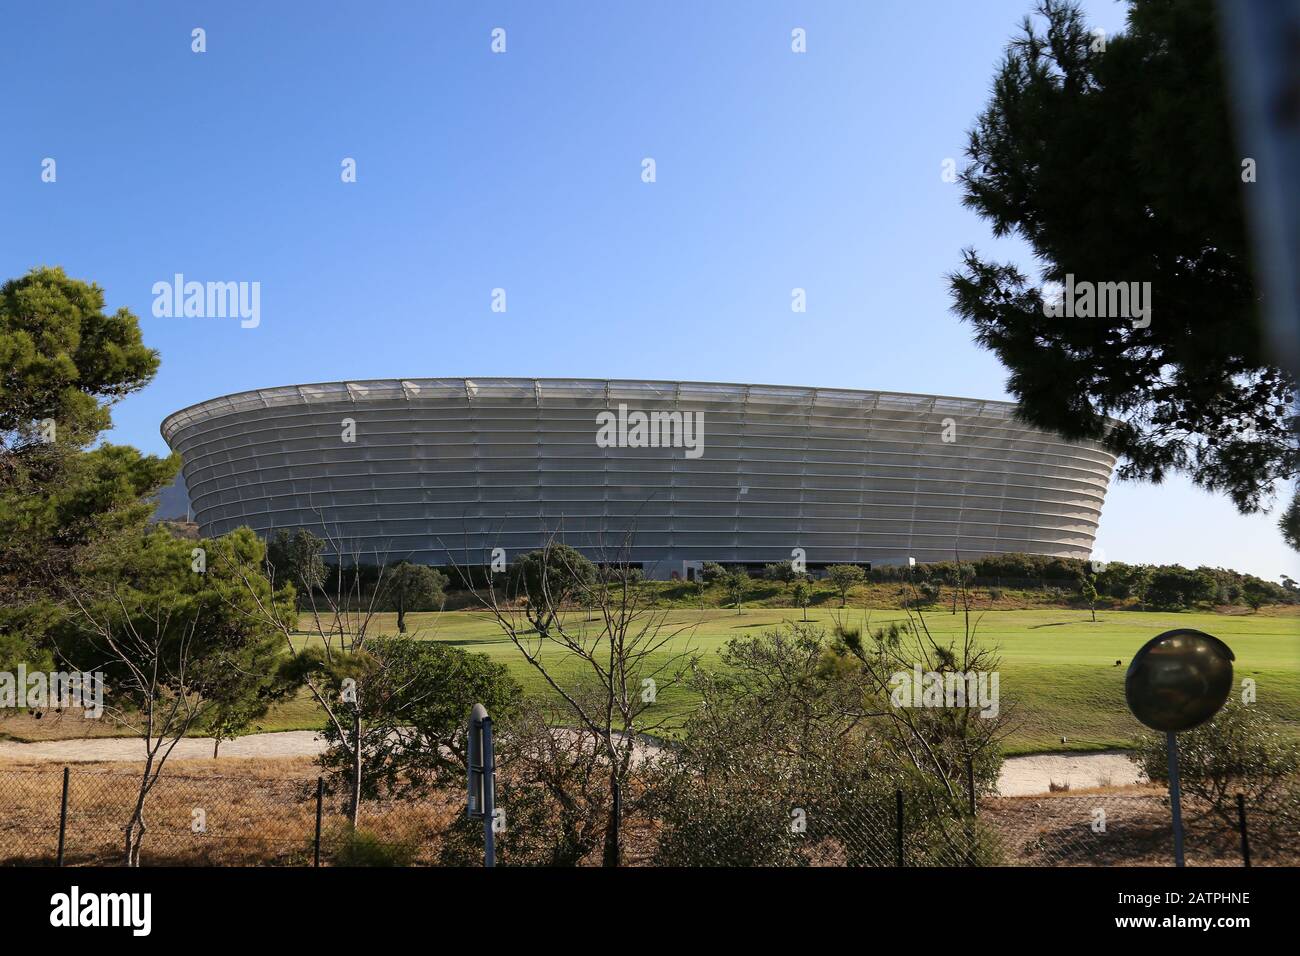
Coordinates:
(736, 582)
(1290, 522)
(1119, 580)
(711, 572)
(621, 574)
(555, 788)
(1069, 122)
(178, 634)
(414, 699)
(789, 761)
(295, 558)
(773, 733)
(551, 578)
(1240, 750)
(781, 571)
(65, 362)
(927, 592)
(801, 594)
(201, 629)
(845, 577)
(1254, 594)
(413, 587)
(64, 358)
(1088, 589)
(1116, 579)
(357, 847)
(1007, 568)
(942, 741)
(1175, 587)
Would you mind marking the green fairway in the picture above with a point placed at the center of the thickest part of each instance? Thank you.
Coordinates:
(1059, 672)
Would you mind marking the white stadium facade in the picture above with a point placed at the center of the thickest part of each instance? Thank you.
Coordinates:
(666, 475)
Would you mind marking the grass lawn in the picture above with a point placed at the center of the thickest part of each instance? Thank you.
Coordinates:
(1058, 671)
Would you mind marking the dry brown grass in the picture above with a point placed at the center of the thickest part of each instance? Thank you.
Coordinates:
(261, 812)
(253, 812)
(26, 725)
(1057, 830)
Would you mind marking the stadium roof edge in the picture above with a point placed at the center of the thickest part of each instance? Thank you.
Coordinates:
(356, 389)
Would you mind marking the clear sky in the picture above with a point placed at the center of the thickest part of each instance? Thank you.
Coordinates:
(523, 171)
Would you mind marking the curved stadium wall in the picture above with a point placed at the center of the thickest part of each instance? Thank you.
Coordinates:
(444, 470)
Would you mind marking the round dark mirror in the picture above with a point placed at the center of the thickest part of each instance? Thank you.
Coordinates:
(1179, 680)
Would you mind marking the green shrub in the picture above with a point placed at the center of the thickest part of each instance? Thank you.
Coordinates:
(1175, 587)
(778, 767)
(711, 571)
(927, 592)
(1239, 751)
(782, 572)
(364, 848)
(552, 575)
(845, 577)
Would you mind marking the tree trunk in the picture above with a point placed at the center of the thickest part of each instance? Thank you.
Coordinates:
(216, 744)
(135, 830)
(135, 827)
(139, 842)
(614, 823)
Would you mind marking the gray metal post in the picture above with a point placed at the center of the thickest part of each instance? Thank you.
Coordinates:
(63, 820)
(489, 795)
(1175, 799)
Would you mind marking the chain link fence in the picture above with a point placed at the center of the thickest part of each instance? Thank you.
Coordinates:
(218, 818)
(207, 819)
(1130, 827)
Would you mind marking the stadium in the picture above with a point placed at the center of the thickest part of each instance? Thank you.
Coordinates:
(666, 475)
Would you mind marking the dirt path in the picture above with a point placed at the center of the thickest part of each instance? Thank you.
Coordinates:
(1020, 775)
(292, 743)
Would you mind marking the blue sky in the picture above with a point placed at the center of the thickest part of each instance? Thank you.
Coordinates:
(522, 171)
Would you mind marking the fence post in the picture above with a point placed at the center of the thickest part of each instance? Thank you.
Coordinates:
(1245, 839)
(489, 795)
(898, 826)
(320, 800)
(63, 818)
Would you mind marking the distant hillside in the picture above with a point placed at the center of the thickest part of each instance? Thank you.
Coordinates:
(182, 529)
(173, 502)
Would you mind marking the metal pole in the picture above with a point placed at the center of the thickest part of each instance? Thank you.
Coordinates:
(63, 816)
(320, 800)
(898, 826)
(1245, 840)
(1175, 801)
(489, 795)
